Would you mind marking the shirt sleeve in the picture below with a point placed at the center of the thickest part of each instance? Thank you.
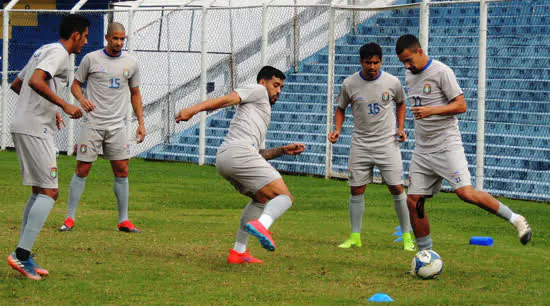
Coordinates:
(23, 72)
(83, 70)
(449, 85)
(399, 93)
(135, 79)
(251, 94)
(54, 62)
(343, 99)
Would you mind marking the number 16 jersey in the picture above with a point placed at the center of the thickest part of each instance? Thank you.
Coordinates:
(374, 126)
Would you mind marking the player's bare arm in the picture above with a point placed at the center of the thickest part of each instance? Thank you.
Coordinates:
(16, 85)
(339, 118)
(76, 90)
(401, 112)
(456, 106)
(38, 83)
(290, 149)
(208, 105)
(137, 105)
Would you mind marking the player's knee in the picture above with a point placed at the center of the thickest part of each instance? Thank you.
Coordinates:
(52, 193)
(121, 174)
(396, 189)
(82, 171)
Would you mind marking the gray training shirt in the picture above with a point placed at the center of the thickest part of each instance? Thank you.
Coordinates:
(249, 125)
(436, 85)
(34, 115)
(372, 107)
(109, 81)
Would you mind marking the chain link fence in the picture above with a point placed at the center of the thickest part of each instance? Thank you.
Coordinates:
(171, 43)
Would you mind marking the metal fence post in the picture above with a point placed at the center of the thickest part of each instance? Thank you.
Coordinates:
(481, 91)
(5, 79)
(330, 89)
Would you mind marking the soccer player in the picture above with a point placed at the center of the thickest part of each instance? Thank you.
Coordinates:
(33, 128)
(113, 79)
(439, 154)
(372, 94)
(242, 160)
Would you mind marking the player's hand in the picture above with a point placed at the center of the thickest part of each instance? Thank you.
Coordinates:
(420, 112)
(333, 136)
(74, 112)
(59, 121)
(184, 115)
(401, 135)
(294, 148)
(140, 133)
(87, 105)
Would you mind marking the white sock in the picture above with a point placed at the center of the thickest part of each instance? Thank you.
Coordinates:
(513, 218)
(239, 247)
(266, 220)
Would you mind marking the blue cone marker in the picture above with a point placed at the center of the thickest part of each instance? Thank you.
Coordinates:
(479, 240)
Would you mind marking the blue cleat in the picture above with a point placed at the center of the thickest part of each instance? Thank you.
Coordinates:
(24, 267)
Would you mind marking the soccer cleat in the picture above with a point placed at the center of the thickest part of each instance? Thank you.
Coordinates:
(67, 225)
(524, 230)
(353, 240)
(24, 267)
(128, 227)
(259, 231)
(240, 258)
(408, 244)
(37, 268)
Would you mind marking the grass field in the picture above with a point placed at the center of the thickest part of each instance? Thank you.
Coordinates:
(189, 216)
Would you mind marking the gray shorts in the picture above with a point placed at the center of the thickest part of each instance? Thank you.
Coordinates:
(245, 169)
(37, 160)
(427, 170)
(114, 143)
(361, 166)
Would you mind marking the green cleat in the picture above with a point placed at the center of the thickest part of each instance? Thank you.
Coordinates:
(353, 240)
(408, 244)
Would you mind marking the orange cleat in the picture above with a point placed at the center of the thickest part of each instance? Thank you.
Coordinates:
(240, 258)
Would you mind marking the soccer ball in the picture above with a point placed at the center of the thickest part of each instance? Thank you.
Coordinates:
(427, 264)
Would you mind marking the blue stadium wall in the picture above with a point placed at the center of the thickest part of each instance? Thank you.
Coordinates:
(25, 39)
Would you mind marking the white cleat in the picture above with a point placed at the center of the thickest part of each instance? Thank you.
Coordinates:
(524, 230)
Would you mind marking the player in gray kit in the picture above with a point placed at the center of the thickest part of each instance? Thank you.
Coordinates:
(113, 80)
(33, 128)
(372, 94)
(437, 98)
(242, 160)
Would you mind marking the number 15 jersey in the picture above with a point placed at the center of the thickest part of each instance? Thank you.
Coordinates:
(435, 85)
(109, 81)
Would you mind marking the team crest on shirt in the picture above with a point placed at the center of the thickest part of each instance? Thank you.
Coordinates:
(126, 72)
(385, 96)
(427, 88)
(53, 172)
(83, 148)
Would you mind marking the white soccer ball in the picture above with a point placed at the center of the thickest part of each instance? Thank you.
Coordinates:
(427, 264)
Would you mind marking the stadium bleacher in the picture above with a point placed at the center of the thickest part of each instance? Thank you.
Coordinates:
(517, 151)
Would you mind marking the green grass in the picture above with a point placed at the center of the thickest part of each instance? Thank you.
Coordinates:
(189, 216)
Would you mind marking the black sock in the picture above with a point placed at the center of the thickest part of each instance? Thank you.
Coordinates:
(22, 254)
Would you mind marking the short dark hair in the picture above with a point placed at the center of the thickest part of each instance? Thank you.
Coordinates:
(407, 41)
(268, 72)
(73, 23)
(370, 50)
